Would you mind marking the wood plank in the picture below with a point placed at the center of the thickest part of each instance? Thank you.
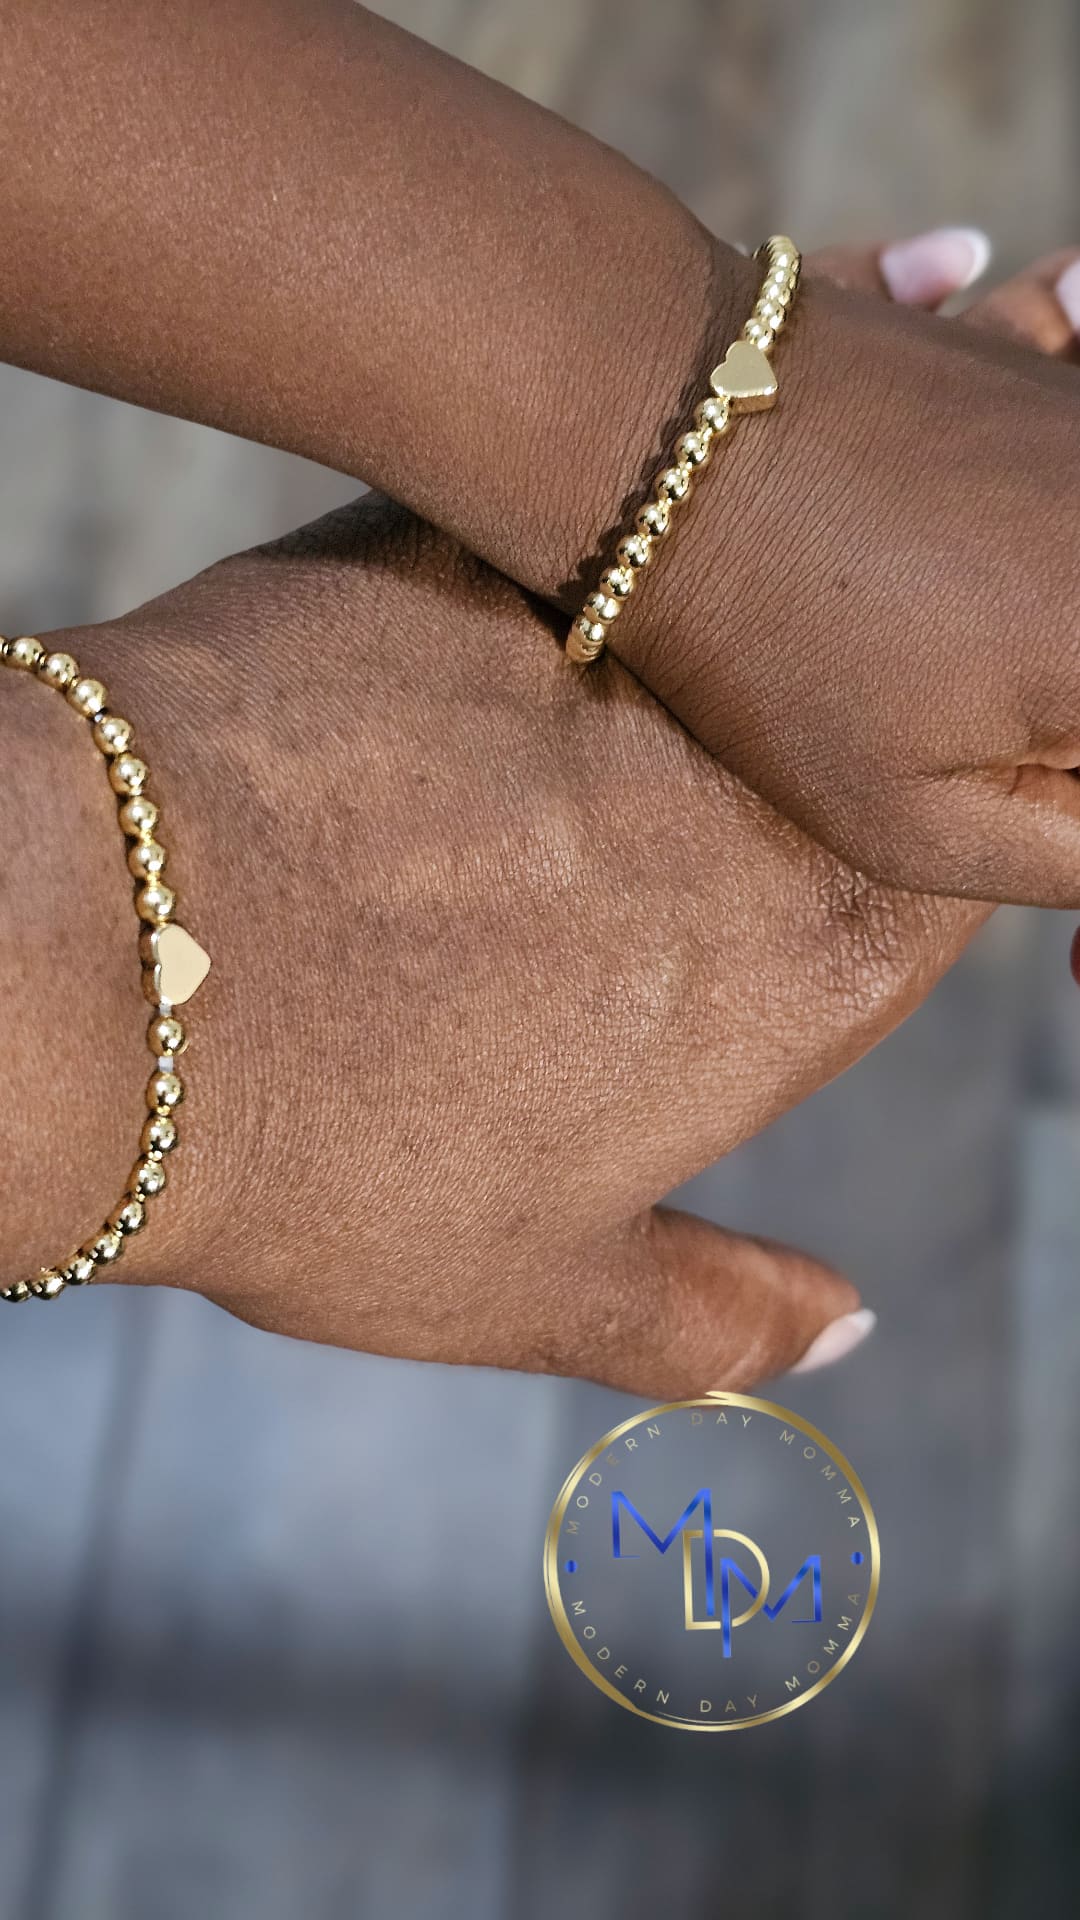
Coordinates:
(310, 1636)
(1036, 1850)
(66, 1384)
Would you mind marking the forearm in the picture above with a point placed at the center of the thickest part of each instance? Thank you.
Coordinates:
(289, 219)
(74, 1018)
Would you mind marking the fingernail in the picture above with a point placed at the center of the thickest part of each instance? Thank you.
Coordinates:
(924, 271)
(1068, 292)
(838, 1338)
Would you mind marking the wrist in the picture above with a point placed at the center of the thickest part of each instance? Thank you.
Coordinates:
(790, 541)
(636, 353)
(744, 381)
(75, 1019)
(72, 1016)
(743, 582)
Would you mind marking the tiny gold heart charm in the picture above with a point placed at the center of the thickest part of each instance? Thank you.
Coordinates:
(175, 964)
(745, 378)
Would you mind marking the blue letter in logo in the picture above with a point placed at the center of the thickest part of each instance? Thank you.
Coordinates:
(729, 1569)
(702, 1500)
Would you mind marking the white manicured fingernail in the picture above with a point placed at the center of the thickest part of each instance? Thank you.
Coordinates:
(924, 271)
(1068, 292)
(837, 1339)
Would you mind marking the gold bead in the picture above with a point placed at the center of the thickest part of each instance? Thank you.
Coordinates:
(600, 606)
(159, 1135)
(692, 450)
(138, 817)
(713, 415)
(128, 774)
(58, 670)
(48, 1283)
(166, 1035)
(106, 1248)
(674, 484)
(634, 550)
(749, 389)
(155, 903)
(129, 1216)
(79, 1270)
(590, 634)
(17, 1291)
(165, 1091)
(146, 859)
(148, 1177)
(618, 581)
(88, 697)
(654, 519)
(112, 735)
(25, 655)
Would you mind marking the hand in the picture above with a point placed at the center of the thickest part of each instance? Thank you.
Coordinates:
(494, 969)
(479, 995)
(872, 611)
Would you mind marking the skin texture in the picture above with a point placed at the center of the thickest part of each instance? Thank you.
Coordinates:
(496, 966)
(498, 962)
(344, 242)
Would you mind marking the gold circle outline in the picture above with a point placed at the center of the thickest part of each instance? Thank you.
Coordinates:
(553, 1590)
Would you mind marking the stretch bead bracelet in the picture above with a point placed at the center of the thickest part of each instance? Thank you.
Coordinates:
(174, 965)
(744, 382)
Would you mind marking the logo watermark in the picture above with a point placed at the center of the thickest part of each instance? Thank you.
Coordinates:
(712, 1564)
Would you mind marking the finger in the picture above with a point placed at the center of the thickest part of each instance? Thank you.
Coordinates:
(920, 272)
(677, 1306)
(1040, 306)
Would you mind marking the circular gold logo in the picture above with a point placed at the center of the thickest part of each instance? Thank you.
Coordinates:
(713, 1563)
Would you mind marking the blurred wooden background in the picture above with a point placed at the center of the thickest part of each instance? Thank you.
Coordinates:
(258, 1656)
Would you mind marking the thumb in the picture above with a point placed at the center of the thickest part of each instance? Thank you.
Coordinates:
(692, 1307)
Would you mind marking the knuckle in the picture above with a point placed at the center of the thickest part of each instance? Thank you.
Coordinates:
(865, 937)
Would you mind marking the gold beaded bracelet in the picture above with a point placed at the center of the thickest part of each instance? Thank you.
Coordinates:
(744, 382)
(174, 965)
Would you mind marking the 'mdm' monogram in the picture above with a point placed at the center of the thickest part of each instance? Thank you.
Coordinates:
(719, 1575)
